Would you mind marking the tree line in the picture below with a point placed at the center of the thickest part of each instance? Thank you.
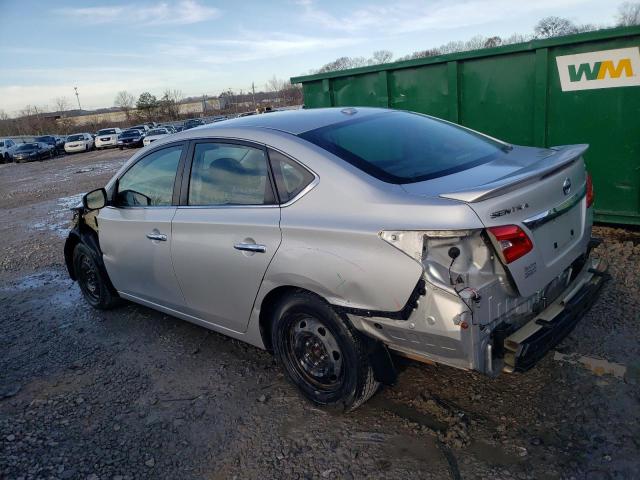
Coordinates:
(628, 14)
(36, 120)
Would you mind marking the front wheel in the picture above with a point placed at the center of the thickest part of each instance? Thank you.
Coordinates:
(92, 281)
(321, 353)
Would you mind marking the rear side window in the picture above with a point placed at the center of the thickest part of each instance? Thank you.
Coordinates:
(291, 177)
(229, 174)
(402, 147)
(149, 183)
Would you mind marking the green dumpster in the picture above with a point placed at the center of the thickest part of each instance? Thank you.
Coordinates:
(582, 88)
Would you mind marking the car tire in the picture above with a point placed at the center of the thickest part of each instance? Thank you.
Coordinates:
(321, 353)
(7, 158)
(95, 287)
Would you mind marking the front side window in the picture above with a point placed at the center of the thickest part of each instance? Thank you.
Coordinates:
(149, 183)
(401, 147)
(291, 177)
(228, 174)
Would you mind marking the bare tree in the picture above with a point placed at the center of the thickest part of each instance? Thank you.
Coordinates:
(517, 38)
(451, 47)
(381, 56)
(475, 43)
(169, 104)
(549, 27)
(61, 104)
(343, 63)
(628, 14)
(124, 101)
(492, 42)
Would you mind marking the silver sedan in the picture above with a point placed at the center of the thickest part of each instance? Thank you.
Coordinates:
(338, 237)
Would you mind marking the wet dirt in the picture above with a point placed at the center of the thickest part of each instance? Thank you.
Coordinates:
(133, 393)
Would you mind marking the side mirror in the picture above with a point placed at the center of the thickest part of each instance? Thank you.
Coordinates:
(95, 200)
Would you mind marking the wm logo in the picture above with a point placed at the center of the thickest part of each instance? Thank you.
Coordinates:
(600, 70)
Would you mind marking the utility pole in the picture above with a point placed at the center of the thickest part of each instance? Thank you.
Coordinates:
(253, 94)
(78, 97)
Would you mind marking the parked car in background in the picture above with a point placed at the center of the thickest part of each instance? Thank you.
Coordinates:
(192, 122)
(7, 147)
(142, 127)
(333, 236)
(131, 138)
(32, 151)
(107, 137)
(60, 141)
(170, 128)
(155, 134)
(79, 142)
(53, 141)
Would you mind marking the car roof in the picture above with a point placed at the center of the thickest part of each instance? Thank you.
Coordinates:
(296, 121)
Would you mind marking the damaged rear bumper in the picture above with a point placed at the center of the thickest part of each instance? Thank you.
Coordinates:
(526, 346)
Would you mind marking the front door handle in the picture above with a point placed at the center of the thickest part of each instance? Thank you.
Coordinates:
(157, 236)
(250, 247)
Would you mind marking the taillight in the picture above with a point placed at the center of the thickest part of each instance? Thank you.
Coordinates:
(589, 191)
(511, 241)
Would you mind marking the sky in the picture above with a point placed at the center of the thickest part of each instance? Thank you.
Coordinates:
(205, 47)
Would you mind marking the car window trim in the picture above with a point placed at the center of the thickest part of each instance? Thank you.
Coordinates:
(175, 196)
(186, 175)
(310, 186)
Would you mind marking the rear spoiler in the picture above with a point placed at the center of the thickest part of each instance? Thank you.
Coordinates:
(557, 161)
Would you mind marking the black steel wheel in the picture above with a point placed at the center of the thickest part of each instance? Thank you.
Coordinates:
(93, 282)
(321, 353)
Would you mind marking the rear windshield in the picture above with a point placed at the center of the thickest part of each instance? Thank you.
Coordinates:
(107, 131)
(44, 139)
(75, 138)
(130, 133)
(158, 131)
(402, 147)
(27, 146)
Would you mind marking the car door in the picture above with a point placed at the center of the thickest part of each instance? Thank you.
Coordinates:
(135, 229)
(225, 231)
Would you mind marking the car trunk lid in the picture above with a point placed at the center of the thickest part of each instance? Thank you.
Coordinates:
(542, 191)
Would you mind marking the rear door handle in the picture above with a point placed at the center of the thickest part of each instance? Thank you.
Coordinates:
(250, 247)
(157, 236)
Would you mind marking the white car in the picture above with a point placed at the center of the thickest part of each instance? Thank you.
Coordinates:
(7, 147)
(155, 134)
(107, 137)
(79, 142)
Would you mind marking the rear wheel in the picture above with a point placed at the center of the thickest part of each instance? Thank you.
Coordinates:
(322, 354)
(93, 284)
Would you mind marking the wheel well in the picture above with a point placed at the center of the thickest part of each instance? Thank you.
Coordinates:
(83, 235)
(69, 247)
(269, 303)
(382, 363)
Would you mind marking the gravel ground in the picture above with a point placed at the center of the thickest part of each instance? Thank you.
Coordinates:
(133, 393)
